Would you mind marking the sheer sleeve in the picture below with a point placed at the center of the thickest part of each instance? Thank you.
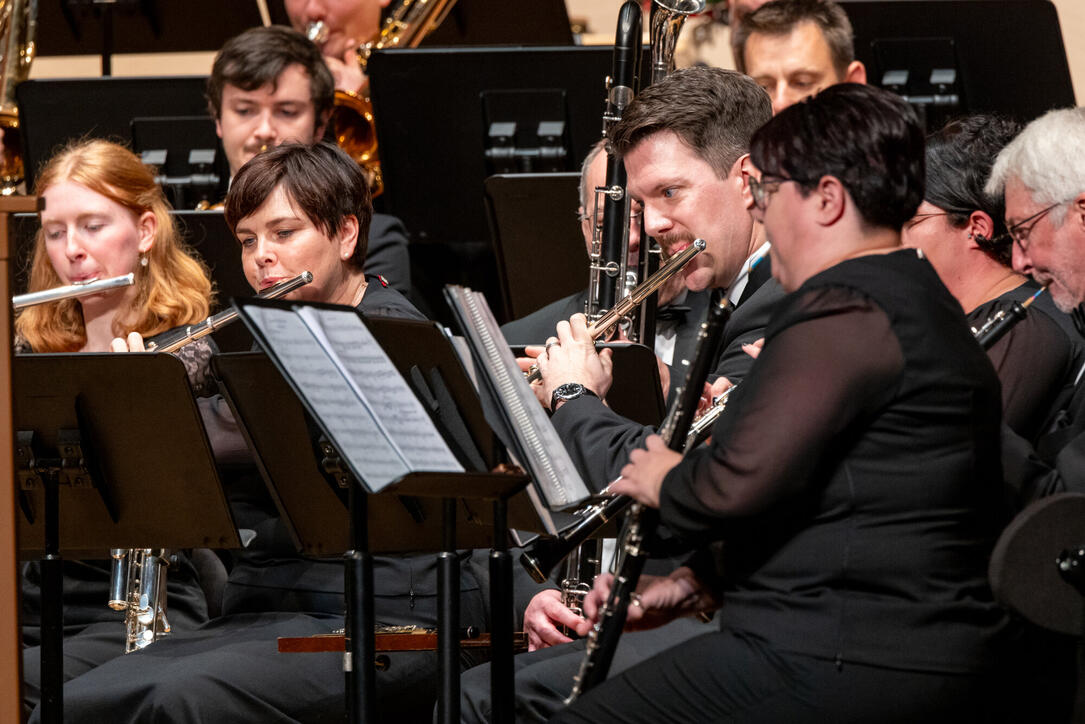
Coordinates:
(196, 356)
(830, 361)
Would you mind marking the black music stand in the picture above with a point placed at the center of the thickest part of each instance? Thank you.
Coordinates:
(952, 57)
(499, 22)
(404, 513)
(79, 27)
(108, 107)
(533, 220)
(95, 472)
(534, 109)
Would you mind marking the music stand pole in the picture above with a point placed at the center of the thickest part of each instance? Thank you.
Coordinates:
(501, 666)
(448, 617)
(360, 615)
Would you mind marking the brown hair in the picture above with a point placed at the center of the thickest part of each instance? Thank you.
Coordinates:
(713, 111)
(323, 181)
(173, 289)
(258, 56)
(781, 17)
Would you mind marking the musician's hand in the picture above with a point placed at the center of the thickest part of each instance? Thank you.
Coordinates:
(345, 70)
(754, 348)
(571, 357)
(545, 613)
(526, 363)
(659, 600)
(132, 343)
(642, 478)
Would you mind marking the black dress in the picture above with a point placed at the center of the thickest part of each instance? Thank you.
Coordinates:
(856, 485)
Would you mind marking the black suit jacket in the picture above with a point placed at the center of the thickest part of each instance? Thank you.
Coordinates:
(386, 254)
(599, 440)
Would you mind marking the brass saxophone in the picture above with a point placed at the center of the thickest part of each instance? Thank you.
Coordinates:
(18, 26)
(352, 119)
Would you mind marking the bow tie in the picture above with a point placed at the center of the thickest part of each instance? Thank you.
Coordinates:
(672, 312)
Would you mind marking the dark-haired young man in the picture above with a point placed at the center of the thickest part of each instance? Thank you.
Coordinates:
(795, 48)
(852, 580)
(270, 86)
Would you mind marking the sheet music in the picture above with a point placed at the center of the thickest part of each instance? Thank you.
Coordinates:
(352, 428)
(544, 454)
(380, 387)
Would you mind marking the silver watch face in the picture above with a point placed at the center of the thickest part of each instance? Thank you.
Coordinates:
(569, 391)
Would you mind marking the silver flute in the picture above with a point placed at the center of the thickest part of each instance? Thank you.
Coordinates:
(80, 289)
(172, 341)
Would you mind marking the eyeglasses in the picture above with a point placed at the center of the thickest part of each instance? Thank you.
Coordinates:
(762, 189)
(1020, 233)
(918, 218)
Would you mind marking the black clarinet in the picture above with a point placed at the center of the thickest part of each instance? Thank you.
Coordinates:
(996, 327)
(608, 261)
(603, 640)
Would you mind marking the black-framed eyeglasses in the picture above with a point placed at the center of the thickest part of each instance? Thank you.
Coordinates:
(761, 189)
(1020, 233)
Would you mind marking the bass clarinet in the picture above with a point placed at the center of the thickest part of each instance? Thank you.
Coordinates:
(640, 528)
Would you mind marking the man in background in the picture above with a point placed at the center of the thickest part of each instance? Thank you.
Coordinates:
(795, 48)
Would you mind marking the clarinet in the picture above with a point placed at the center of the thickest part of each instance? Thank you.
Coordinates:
(603, 639)
(996, 327)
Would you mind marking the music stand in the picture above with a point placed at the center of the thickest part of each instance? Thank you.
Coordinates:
(952, 57)
(528, 226)
(95, 472)
(78, 27)
(442, 384)
(515, 109)
(107, 109)
(499, 22)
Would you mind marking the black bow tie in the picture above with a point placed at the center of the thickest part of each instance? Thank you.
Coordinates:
(672, 312)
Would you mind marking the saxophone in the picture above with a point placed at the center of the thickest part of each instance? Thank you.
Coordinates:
(352, 118)
(18, 26)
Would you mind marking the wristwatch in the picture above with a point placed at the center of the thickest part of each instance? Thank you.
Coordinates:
(569, 391)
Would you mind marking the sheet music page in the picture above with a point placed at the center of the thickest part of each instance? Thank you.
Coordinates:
(542, 450)
(377, 382)
(350, 425)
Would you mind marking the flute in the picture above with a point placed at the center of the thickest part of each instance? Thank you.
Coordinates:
(79, 289)
(172, 341)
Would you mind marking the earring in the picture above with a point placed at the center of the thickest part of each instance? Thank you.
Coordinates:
(142, 260)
